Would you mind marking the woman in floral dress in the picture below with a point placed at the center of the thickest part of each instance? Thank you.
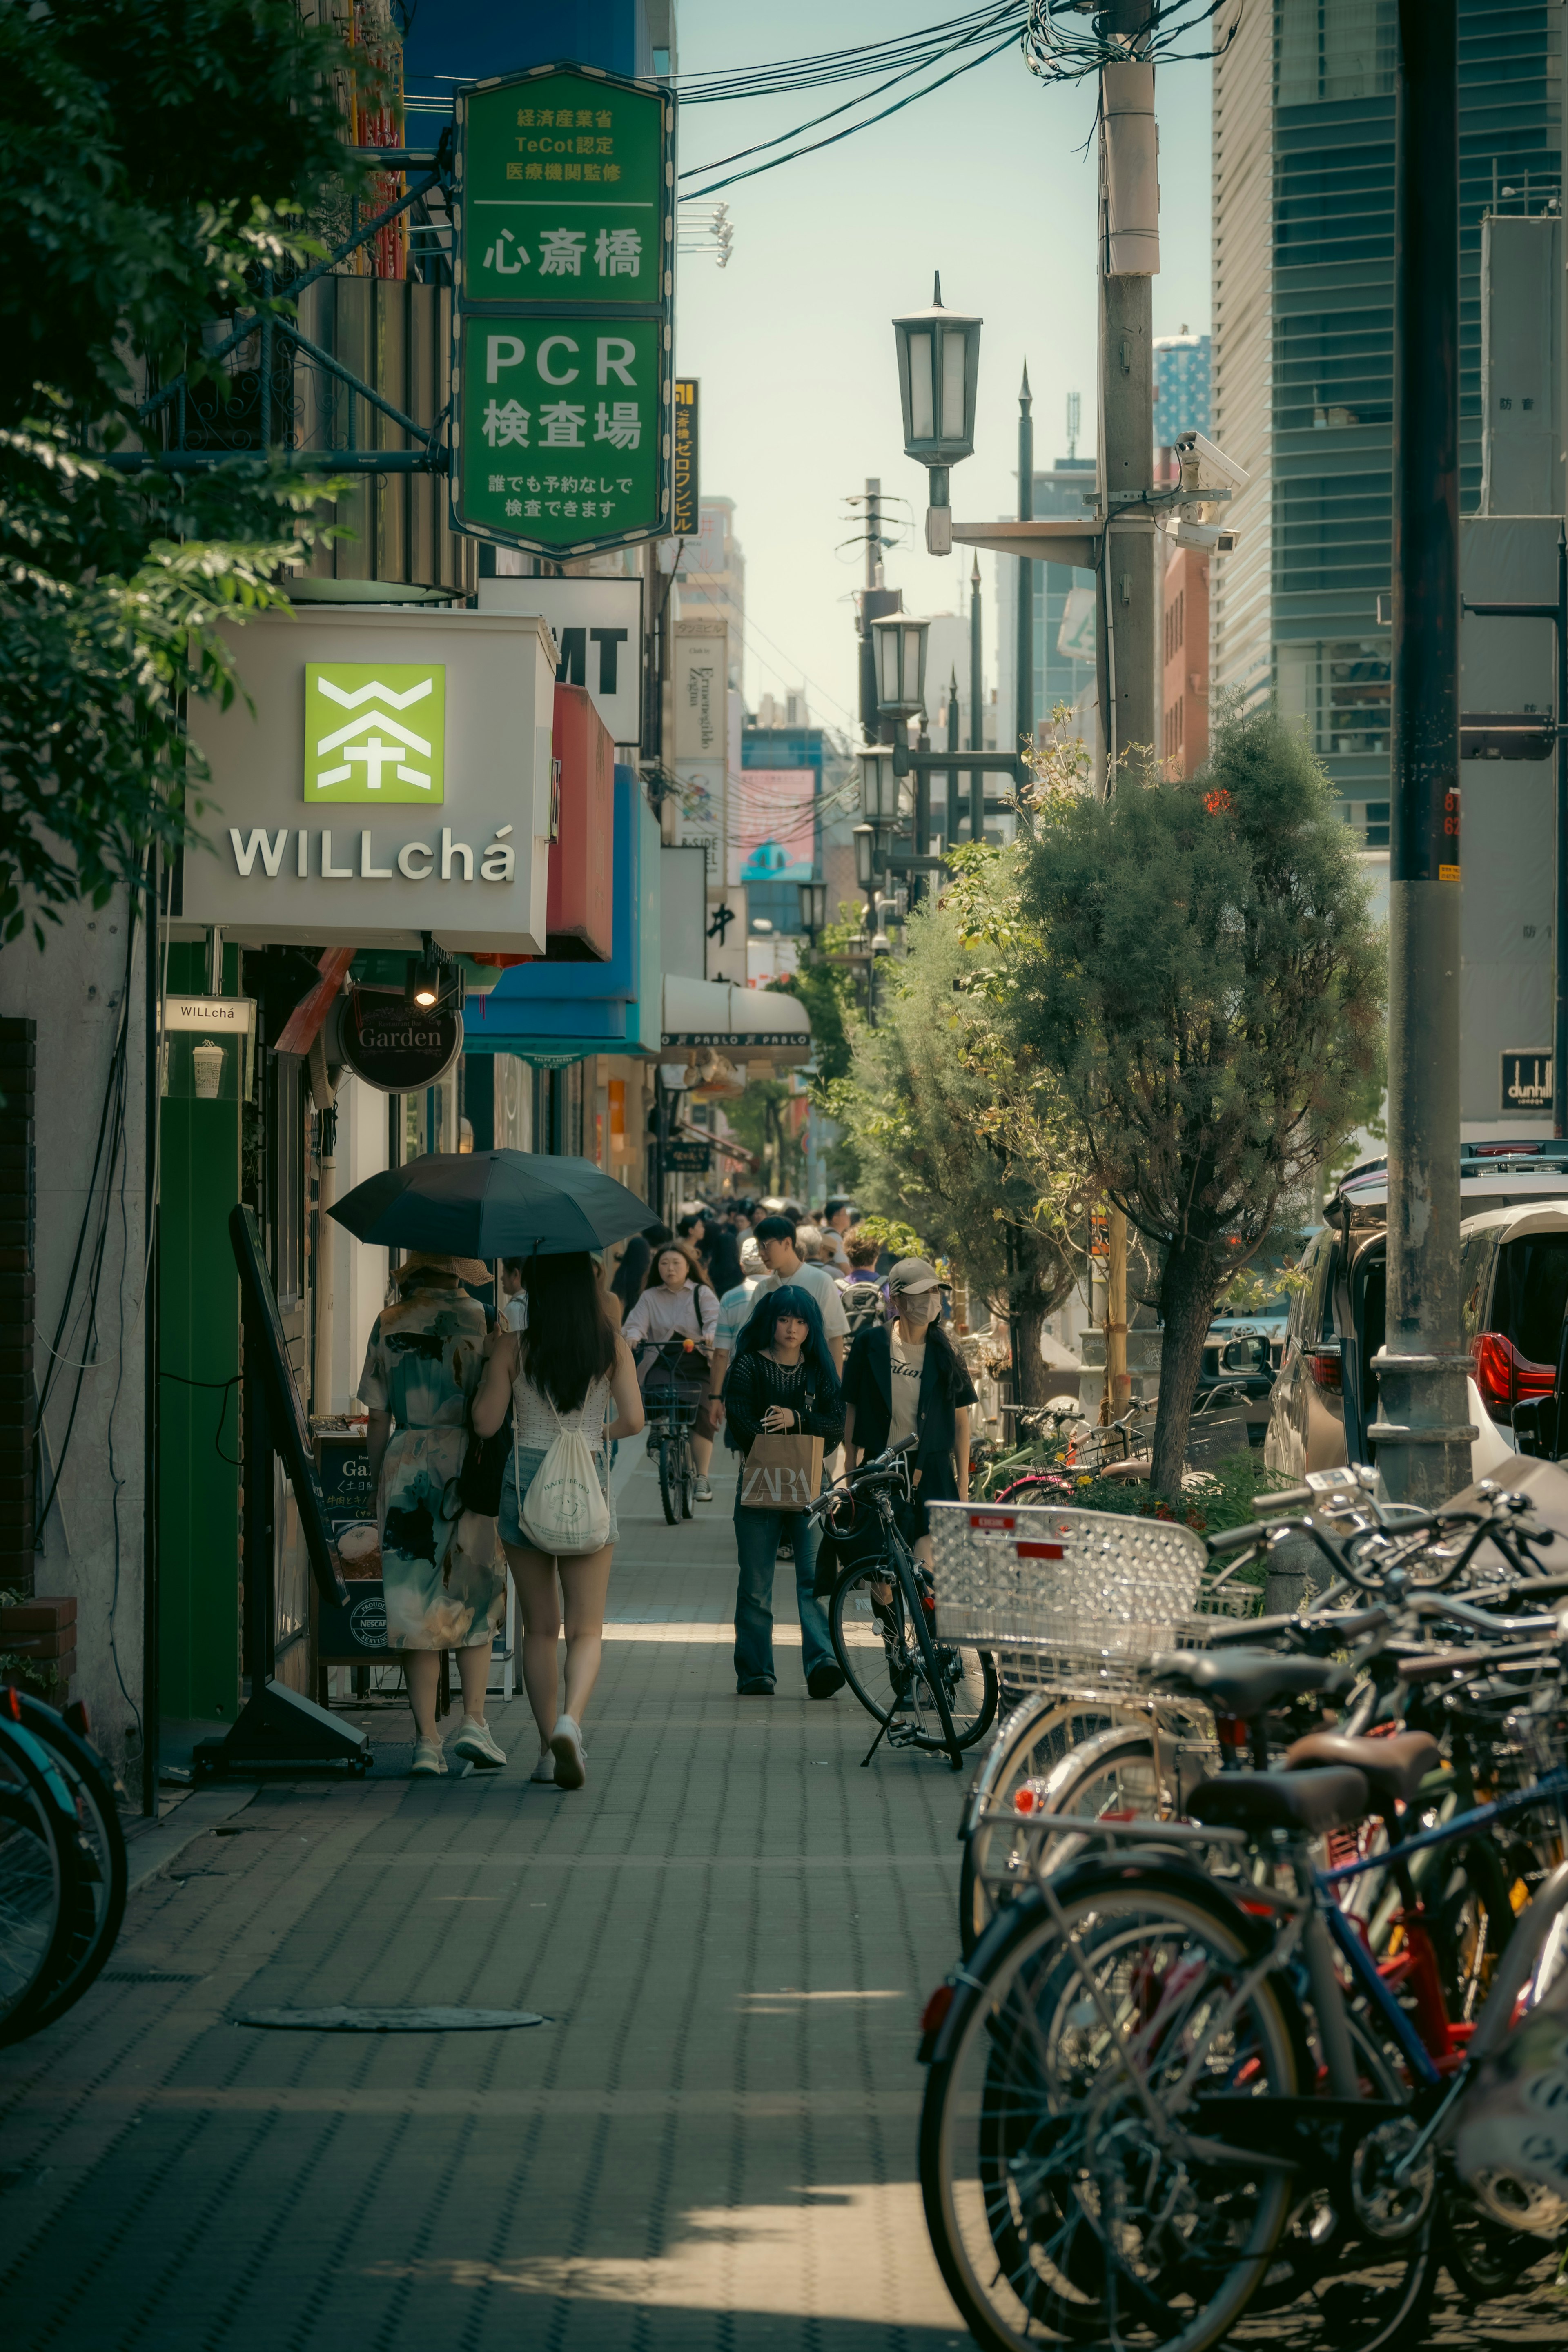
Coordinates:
(444, 1576)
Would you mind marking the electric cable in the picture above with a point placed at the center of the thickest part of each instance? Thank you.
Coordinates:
(816, 145)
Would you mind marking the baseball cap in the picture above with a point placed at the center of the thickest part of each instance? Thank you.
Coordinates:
(914, 1274)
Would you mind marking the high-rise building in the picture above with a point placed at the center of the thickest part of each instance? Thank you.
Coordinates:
(1064, 608)
(1303, 325)
(713, 575)
(1183, 385)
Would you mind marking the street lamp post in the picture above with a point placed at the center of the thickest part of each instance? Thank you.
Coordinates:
(939, 370)
(812, 911)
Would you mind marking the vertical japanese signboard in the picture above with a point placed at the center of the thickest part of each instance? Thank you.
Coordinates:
(686, 520)
(563, 380)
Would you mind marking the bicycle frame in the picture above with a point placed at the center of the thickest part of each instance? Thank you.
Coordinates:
(1359, 1960)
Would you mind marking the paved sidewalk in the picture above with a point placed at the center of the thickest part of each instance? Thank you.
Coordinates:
(709, 2146)
(712, 2142)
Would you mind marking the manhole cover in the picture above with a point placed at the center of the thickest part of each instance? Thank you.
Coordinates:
(393, 2020)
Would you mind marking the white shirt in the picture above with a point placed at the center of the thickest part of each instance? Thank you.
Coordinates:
(514, 1312)
(906, 1365)
(822, 1287)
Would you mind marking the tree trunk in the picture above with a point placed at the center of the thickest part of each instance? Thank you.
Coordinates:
(1188, 1294)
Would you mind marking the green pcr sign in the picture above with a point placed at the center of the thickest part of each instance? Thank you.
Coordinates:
(563, 379)
(561, 440)
(564, 192)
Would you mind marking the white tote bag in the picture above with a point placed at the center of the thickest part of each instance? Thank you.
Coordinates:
(566, 1509)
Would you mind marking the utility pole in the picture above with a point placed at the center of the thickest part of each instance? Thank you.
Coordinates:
(976, 716)
(1424, 1433)
(1024, 689)
(1128, 643)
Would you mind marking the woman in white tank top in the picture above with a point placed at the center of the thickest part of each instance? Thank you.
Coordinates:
(568, 1369)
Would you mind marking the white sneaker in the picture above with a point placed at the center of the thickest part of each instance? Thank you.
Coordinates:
(476, 1741)
(544, 1772)
(571, 1757)
(428, 1758)
(703, 1491)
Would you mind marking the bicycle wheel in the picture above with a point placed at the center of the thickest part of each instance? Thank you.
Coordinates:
(901, 1674)
(1035, 1735)
(102, 1878)
(1336, 2285)
(669, 1480)
(38, 1880)
(687, 1478)
(1115, 1770)
(1061, 2210)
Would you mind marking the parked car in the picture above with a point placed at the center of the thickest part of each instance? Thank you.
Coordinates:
(1325, 1398)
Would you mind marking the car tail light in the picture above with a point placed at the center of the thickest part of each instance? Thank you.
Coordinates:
(1503, 1376)
(1327, 1367)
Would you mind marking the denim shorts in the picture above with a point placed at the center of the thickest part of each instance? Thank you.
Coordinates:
(528, 1459)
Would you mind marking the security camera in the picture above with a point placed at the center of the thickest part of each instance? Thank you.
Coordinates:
(1215, 469)
(1207, 536)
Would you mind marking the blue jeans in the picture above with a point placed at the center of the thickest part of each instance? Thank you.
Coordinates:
(758, 1535)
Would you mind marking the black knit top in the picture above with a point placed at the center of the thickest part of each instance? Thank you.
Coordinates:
(755, 1383)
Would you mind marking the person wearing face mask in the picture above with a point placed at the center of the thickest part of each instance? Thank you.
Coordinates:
(904, 1379)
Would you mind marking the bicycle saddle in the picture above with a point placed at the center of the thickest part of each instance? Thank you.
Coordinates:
(1245, 1682)
(1329, 1798)
(1392, 1768)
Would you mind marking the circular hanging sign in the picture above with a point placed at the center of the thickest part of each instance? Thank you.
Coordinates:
(393, 1046)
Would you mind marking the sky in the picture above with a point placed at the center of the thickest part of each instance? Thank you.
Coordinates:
(989, 181)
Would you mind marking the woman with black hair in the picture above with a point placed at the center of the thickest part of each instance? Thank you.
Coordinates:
(567, 1369)
(631, 1275)
(723, 1256)
(907, 1380)
(783, 1380)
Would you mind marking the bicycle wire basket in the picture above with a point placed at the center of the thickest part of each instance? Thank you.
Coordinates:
(1060, 1594)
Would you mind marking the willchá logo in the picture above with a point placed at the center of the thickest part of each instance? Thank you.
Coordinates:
(375, 733)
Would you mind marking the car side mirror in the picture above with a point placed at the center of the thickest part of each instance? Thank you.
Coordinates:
(1535, 1428)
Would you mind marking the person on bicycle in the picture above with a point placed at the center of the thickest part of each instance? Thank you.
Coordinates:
(783, 1380)
(907, 1380)
(678, 1304)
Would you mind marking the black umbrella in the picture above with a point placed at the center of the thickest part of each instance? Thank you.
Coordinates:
(490, 1205)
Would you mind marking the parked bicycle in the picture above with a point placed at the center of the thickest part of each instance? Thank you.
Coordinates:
(924, 1693)
(62, 1863)
(1206, 2056)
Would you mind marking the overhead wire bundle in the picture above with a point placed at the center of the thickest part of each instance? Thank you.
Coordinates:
(1058, 39)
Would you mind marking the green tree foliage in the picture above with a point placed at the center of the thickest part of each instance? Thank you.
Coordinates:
(1199, 974)
(828, 990)
(155, 159)
(952, 1135)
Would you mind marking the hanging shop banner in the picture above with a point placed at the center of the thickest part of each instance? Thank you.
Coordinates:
(394, 1046)
(562, 377)
(685, 520)
(381, 775)
(597, 624)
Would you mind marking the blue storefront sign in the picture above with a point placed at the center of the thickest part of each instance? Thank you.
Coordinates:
(554, 1014)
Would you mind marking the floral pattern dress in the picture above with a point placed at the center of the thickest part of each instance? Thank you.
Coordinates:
(445, 1577)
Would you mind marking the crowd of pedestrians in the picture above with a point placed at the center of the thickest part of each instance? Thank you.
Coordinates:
(496, 1445)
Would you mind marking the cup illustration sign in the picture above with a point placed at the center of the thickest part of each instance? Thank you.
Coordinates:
(376, 732)
(206, 1059)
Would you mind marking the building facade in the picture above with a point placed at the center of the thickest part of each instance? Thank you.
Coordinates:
(1303, 327)
(1183, 385)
